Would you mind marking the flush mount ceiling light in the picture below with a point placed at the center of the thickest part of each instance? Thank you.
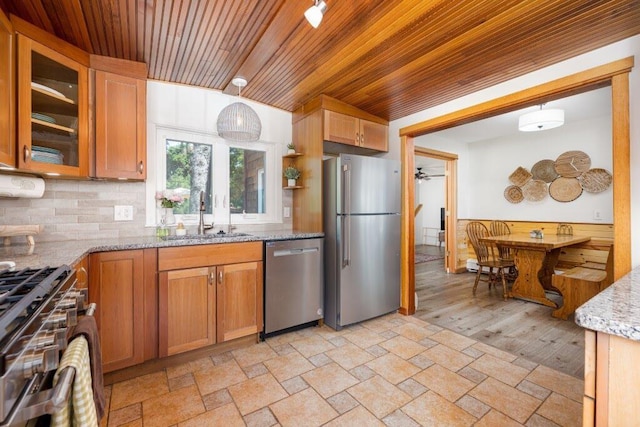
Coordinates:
(314, 13)
(541, 120)
(238, 121)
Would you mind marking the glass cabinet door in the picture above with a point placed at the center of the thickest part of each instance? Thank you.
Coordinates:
(52, 111)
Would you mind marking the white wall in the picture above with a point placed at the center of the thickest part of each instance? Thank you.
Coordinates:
(431, 194)
(196, 109)
(492, 162)
(613, 52)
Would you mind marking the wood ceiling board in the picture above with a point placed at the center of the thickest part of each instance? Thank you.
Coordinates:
(391, 58)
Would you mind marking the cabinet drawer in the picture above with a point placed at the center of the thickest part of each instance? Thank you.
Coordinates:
(207, 255)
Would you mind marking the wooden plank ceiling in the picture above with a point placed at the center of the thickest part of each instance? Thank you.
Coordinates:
(391, 58)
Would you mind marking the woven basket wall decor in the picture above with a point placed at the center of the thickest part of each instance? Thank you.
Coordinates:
(544, 170)
(513, 194)
(535, 190)
(520, 176)
(564, 189)
(596, 180)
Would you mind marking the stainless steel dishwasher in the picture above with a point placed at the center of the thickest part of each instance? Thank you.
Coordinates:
(294, 283)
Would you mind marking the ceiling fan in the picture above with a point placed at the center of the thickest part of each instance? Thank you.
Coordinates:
(420, 176)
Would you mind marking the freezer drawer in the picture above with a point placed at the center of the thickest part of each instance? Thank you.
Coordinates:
(294, 283)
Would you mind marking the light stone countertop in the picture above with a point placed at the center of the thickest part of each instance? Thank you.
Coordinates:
(69, 252)
(616, 310)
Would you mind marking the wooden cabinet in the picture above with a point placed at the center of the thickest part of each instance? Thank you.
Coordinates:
(208, 294)
(328, 126)
(239, 297)
(119, 99)
(187, 307)
(611, 378)
(121, 283)
(52, 111)
(7, 93)
(350, 130)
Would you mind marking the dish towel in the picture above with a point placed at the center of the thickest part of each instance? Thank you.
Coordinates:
(88, 328)
(80, 409)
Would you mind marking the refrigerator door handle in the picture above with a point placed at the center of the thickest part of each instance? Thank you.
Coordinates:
(346, 219)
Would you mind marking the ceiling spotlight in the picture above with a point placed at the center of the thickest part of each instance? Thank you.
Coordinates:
(541, 120)
(314, 13)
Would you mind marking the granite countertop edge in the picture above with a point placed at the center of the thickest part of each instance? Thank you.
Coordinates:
(616, 310)
(72, 251)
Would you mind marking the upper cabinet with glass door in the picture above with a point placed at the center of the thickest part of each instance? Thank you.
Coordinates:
(52, 111)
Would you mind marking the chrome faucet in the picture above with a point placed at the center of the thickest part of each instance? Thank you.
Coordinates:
(202, 226)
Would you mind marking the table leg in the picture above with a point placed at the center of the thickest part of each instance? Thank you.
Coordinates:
(548, 268)
(528, 286)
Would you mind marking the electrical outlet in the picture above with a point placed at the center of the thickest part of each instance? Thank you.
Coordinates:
(597, 215)
(122, 213)
(287, 212)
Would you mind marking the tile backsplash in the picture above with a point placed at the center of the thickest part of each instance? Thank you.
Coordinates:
(77, 210)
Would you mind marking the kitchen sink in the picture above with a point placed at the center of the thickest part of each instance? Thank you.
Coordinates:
(210, 236)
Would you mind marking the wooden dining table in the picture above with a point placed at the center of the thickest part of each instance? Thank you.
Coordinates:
(535, 259)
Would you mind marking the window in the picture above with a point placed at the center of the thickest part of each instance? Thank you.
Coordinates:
(238, 180)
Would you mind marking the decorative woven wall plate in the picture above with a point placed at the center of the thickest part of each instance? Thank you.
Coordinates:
(572, 164)
(596, 180)
(520, 176)
(544, 170)
(513, 194)
(564, 189)
(535, 190)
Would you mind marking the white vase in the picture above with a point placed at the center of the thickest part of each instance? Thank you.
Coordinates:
(291, 182)
(291, 151)
(169, 218)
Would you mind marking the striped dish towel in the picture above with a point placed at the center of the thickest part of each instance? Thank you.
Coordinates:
(80, 409)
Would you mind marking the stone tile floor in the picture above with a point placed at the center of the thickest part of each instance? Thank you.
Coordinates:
(394, 370)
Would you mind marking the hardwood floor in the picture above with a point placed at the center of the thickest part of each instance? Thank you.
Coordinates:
(520, 327)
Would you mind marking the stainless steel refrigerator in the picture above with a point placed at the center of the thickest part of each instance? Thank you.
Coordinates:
(361, 216)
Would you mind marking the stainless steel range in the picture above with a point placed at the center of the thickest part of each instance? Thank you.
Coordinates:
(36, 308)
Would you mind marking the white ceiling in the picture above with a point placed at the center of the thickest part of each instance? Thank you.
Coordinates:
(579, 107)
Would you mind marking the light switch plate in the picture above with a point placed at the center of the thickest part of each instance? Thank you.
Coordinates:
(597, 215)
(287, 212)
(122, 213)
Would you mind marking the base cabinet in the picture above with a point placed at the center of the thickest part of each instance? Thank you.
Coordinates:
(117, 285)
(239, 300)
(208, 294)
(611, 381)
(187, 307)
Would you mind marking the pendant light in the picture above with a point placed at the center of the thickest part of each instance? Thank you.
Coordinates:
(315, 13)
(541, 120)
(238, 121)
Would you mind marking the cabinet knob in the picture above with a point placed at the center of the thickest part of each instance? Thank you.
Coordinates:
(361, 139)
(140, 167)
(212, 278)
(220, 277)
(357, 138)
(26, 153)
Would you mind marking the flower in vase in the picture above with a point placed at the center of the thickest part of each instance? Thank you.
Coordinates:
(169, 199)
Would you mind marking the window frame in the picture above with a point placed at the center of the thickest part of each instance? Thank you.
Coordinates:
(220, 186)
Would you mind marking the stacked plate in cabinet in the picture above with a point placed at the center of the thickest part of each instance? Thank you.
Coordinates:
(46, 155)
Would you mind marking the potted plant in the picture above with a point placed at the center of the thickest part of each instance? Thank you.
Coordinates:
(291, 149)
(291, 173)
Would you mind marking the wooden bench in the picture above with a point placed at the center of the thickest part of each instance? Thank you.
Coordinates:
(582, 283)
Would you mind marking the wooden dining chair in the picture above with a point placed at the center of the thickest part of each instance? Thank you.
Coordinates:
(501, 228)
(487, 256)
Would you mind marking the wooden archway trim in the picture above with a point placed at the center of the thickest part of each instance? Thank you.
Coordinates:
(615, 74)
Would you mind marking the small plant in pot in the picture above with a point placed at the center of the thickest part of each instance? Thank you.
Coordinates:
(291, 173)
(291, 149)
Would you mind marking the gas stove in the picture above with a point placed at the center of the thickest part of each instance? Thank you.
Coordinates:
(37, 306)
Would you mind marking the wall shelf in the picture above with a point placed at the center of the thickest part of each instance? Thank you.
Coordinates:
(289, 160)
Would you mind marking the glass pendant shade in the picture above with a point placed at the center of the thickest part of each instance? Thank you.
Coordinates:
(541, 120)
(238, 121)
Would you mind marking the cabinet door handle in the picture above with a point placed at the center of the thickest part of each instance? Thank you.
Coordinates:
(212, 278)
(357, 138)
(220, 277)
(361, 139)
(26, 152)
(140, 167)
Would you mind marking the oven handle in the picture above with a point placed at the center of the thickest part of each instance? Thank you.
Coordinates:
(59, 395)
(62, 390)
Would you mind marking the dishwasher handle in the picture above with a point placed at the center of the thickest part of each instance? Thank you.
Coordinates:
(289, 252)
